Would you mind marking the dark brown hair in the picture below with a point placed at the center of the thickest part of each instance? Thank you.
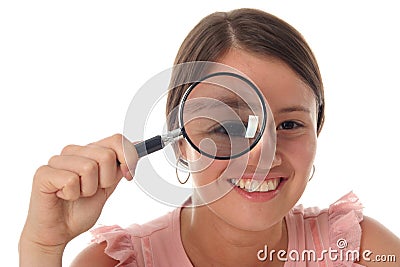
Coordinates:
(254, 31)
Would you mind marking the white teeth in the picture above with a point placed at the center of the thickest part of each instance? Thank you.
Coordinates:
(256, 186)
(241, 183)
(271, 184)
(234, 181)
(264, 187)
(247, 185)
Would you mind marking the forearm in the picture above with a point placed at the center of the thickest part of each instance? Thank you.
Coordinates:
(35, 255)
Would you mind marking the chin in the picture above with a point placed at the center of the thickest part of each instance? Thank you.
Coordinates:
(249, 216)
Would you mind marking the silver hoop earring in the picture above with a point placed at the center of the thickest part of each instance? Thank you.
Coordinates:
(179, 160)
(312, 173)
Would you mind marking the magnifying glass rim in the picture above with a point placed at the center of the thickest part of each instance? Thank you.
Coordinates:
(222, 73)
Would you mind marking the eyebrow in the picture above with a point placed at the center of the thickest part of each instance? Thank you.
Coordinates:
(232, 102)
(294, 109)
(235, 102)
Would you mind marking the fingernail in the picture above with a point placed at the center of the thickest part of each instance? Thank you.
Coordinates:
(60, 194)
(128, 176)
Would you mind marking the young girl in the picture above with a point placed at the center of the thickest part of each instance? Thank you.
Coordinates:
(242, 228)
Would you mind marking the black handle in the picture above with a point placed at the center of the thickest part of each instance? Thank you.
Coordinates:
(149, 146)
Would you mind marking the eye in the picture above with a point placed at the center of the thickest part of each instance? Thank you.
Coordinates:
(289, 125)
(231, 128)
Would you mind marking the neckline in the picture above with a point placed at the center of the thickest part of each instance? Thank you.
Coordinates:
(181, 255)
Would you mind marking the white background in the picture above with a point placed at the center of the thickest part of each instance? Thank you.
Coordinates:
(68, 71)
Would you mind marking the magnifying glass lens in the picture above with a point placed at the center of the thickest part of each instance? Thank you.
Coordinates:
(223, 116)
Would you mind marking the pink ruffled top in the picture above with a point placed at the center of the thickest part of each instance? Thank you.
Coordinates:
(328, 237)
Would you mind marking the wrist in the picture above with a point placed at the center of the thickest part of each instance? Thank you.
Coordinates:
(34, 254)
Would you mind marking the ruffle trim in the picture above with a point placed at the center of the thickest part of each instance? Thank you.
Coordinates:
(119, 244)
(345, 216)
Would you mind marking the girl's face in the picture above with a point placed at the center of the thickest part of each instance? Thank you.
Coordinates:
(293, 107)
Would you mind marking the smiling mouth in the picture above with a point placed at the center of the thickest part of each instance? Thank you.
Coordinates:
(255, 185)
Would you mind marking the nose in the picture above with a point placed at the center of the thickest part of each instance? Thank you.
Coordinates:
(277, 160)
(265, 154)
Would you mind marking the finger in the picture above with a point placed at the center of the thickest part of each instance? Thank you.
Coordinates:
(65, 184)
(86, 168)
(125, 152)
(108, 171)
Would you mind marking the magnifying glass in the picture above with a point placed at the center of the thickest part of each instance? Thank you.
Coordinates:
(222, 116)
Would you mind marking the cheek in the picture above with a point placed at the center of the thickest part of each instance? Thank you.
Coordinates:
(208, 174)
(204, 170)
(300, 152)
